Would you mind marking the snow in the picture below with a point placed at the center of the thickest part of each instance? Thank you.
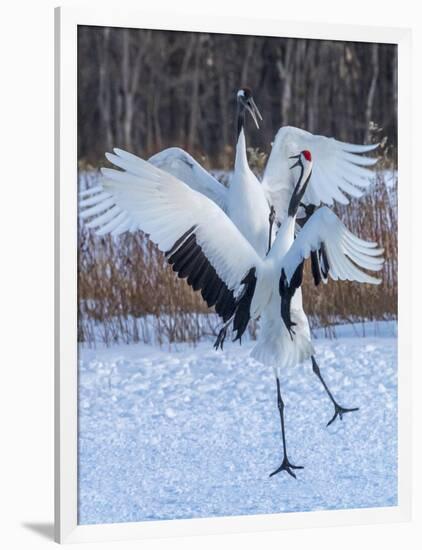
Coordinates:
(189, 432)
(367, 328)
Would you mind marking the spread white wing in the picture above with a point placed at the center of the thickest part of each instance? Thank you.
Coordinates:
(338, 168)
(198, 238)
(183, 166)
(341, 252)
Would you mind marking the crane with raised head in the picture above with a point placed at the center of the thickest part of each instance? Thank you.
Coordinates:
(204, 246)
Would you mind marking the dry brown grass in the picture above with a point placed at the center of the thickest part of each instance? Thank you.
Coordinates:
(127, 292)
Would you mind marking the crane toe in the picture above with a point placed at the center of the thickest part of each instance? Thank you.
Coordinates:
(339, 411)
(287, 467)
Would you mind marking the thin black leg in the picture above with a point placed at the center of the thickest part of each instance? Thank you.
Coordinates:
(338, 409)
(271, 220)
(285, 465)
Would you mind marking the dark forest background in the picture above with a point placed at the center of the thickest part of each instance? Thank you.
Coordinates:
(144, 90)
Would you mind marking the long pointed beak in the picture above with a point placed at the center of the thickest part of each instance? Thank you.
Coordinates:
(254, 111)
(298, 163)
(255, 108)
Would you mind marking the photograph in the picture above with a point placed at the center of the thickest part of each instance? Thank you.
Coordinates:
(237, 262)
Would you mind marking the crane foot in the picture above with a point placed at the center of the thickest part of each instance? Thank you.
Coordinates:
(339, 411)
(220, 338)
(288, 467)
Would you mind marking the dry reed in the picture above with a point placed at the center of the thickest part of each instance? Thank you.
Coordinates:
(127, 292)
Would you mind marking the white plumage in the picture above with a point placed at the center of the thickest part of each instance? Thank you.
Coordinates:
(222, 241)
(341, 246)
(181, 164)
(247, 205)
(337, 169)
(244, 201)
(274, 346)
(145, 197)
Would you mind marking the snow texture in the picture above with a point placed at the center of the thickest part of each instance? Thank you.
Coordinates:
(191, 432)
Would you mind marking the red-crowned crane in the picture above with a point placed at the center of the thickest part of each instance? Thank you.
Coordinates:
(338, 167)
(204, 246)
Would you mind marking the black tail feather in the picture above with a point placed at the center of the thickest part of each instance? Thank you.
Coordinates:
(323, 262)
(316, 271)
(243, 308)
(287, 292)
(320, 266)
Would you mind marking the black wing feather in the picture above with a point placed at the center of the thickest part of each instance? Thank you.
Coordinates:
(188, 260)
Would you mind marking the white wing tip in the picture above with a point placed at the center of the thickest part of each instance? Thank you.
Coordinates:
(108, 172)
(110, 157)
(372, 147)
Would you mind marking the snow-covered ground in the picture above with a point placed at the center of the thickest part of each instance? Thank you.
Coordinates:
(191, 432)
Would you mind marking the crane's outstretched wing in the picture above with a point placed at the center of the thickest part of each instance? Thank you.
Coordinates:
(342, 253)
(199, 240)
(334, 251)
(183, 166)
(338, 168)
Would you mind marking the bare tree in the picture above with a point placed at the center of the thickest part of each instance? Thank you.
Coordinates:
(372, 88)
(146, 90)
(284, 66)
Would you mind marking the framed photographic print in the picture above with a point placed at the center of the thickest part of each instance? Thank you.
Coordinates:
(232, 347)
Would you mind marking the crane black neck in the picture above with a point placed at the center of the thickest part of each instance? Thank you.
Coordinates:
(298, 192)
(240, 119)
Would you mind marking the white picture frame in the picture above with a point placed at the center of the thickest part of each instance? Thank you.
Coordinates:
(66, 526)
